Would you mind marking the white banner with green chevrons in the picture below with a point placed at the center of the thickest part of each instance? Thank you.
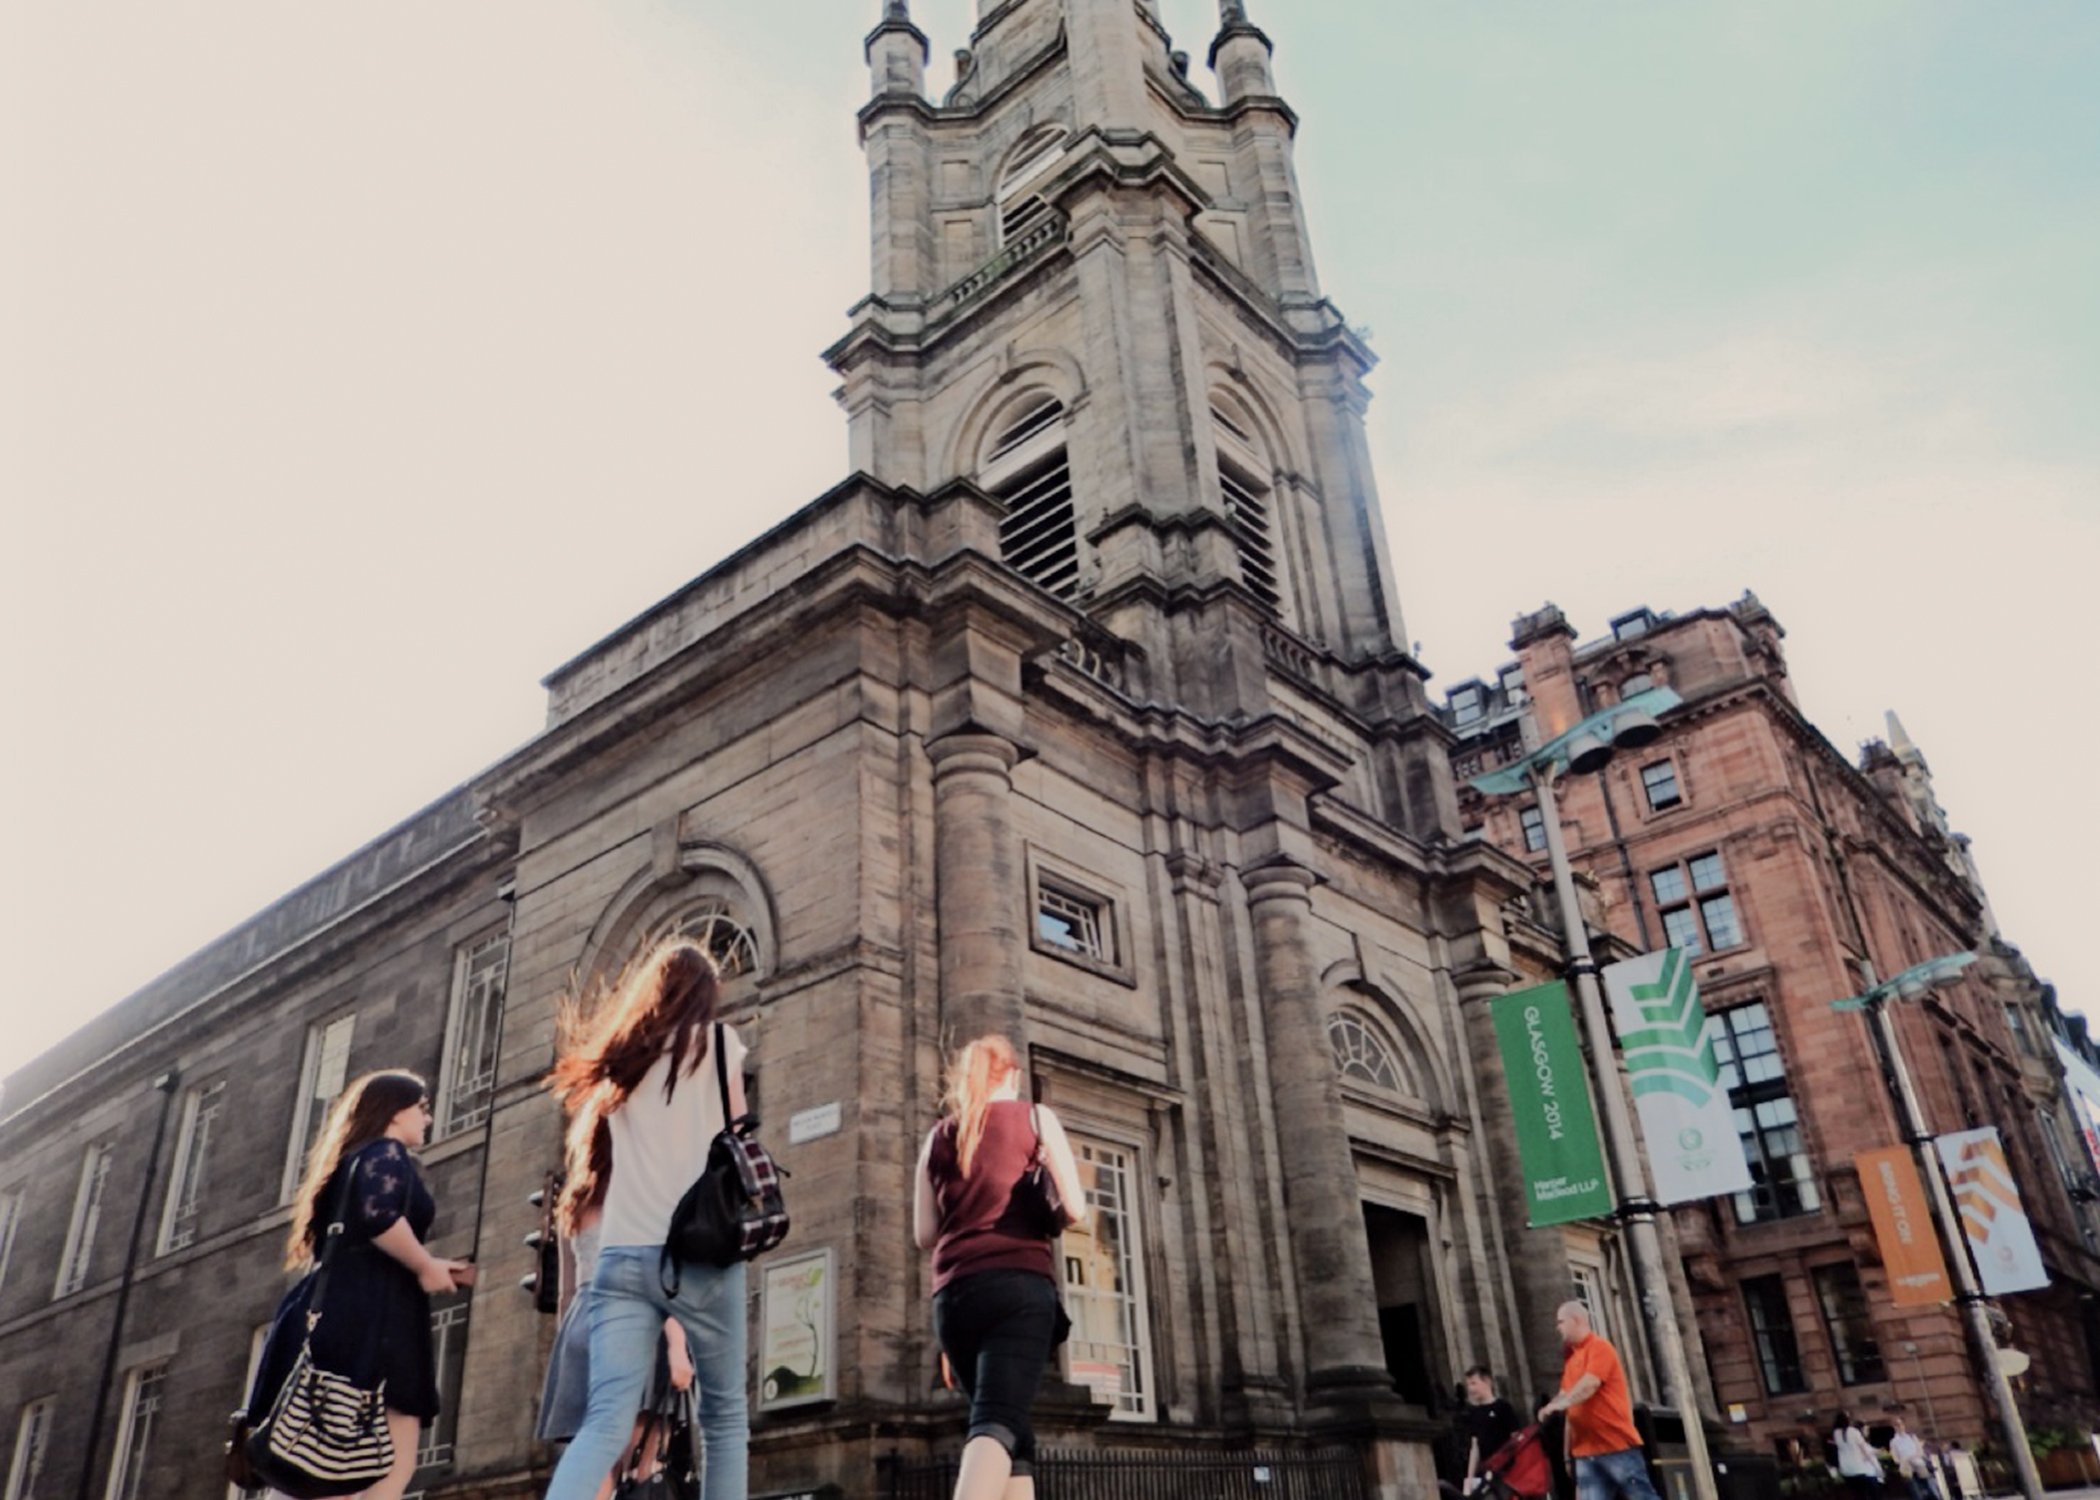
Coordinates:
(1668, 1042)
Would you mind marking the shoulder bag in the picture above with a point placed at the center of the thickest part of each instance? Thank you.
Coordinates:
(324, 1435)
(1039, 1185)
(734, 1210)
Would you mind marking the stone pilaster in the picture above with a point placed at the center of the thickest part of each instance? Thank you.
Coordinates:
(981, 899)
(1338, 1306)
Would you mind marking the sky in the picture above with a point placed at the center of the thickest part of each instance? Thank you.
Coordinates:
(359, 365)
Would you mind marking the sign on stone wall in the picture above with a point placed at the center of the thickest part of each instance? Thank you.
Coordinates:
(1549, 1094)
(1667, 1038)
(1903, 1227)
(1988, 1204)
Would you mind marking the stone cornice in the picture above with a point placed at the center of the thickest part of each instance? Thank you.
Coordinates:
(431, 854)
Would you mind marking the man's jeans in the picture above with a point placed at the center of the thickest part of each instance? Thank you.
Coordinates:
(628, 1308)
(1609, 1474)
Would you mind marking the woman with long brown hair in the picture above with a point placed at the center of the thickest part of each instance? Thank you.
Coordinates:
(995, 1303)
(644, 1066)
(374, 1326)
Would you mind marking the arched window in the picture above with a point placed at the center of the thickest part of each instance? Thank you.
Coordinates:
(716, 929)
(1361, 1053)
(1020, 210)
(1244, 482)
(1027, 467)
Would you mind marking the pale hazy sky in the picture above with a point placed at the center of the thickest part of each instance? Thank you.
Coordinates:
(363, 363)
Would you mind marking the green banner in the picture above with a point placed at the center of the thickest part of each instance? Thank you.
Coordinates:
(1550, 1097)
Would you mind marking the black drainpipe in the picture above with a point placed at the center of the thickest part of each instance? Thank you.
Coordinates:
(167, 1083)
(1633, 883)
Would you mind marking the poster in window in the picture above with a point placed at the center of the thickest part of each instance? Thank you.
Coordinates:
(795, 1333)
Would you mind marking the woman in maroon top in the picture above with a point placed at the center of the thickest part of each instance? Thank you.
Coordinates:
(995, 1307)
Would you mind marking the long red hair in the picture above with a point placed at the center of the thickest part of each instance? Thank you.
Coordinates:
(973, 1077)
(663, 1004)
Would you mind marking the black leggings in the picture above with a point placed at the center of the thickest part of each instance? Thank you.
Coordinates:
(997, 1329)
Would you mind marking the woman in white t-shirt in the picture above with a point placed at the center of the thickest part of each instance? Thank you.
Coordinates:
(1857, 1463)
(646, 1065)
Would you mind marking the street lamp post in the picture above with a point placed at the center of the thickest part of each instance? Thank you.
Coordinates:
(1587, 747)
(1968, 1293)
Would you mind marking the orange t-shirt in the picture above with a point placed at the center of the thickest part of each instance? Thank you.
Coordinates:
(1604, 1423)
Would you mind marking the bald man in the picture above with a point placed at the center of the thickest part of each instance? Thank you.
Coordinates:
(1602, 1439)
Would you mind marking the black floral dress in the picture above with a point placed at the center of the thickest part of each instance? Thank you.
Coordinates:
(375, 1316)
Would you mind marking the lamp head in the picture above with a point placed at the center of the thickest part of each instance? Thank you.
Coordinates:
(1634, 728)
(1587, 753)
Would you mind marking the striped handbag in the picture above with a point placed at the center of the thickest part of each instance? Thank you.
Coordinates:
(325, 1435)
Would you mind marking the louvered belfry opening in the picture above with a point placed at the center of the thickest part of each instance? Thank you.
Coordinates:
(1029, 469)
(1020, 211)
(1247, 509)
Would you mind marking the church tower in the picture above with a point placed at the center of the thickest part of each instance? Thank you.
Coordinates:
(1093, 297)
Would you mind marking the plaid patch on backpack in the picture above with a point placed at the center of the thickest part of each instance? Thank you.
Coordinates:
(734, 1210)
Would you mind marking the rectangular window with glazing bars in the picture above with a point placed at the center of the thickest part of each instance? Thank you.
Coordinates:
(475, 1028)
(200, 1118)
(448, 1355)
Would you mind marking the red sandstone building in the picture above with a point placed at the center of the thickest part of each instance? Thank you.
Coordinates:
(1746, 837)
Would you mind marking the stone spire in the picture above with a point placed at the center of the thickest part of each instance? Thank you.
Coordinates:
(897, 52)
(1240, 55)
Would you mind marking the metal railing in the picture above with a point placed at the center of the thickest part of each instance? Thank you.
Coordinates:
(1073, 1474)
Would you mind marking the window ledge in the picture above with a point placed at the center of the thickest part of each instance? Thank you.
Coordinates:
(1100, 967)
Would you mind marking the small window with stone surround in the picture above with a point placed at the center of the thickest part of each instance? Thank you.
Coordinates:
(1075, 917)
(1659, 783)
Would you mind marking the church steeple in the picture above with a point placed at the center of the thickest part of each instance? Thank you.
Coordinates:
(1094, 297)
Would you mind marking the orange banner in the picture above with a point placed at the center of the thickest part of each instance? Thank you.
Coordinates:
(1903, 1225)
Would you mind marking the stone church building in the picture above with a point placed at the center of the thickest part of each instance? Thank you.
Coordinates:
(1082, 710)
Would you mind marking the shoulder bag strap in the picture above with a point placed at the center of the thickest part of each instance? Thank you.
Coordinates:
(329, 1240)
(722, 1076)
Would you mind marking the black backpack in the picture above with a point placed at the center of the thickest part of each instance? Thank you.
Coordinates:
(734, 1209)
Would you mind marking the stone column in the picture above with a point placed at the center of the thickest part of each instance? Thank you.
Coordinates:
(980, 894)
(1344, 1353)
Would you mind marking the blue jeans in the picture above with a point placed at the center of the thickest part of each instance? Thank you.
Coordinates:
(1624, 1473)
(628, 1308)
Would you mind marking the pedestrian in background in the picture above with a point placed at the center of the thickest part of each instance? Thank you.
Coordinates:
(979, 1206)
(1601, 1437)
(1911, 1464)
(1857, 1463)
(1483, 1424)
(647, 1063)
(374, 1312)
(565, 1394)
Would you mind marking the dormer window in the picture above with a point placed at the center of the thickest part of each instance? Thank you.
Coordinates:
(1468, 704)
(1629, 627)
